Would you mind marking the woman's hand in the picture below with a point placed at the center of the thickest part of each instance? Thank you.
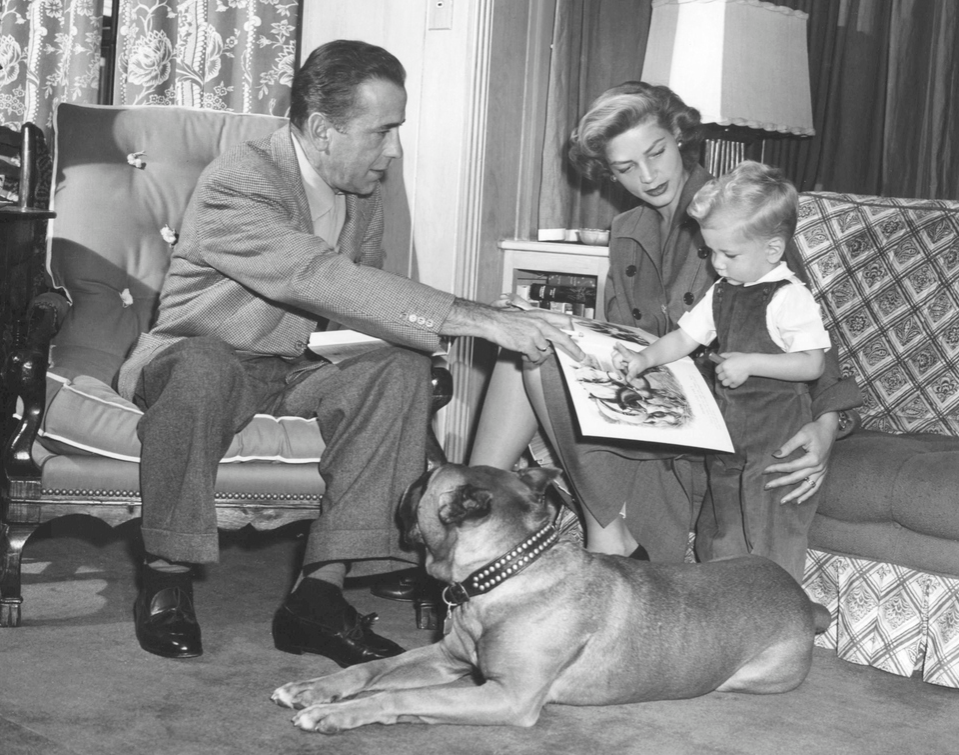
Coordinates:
(809, 470)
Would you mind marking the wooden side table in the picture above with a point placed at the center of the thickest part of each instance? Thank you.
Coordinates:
(21, 276)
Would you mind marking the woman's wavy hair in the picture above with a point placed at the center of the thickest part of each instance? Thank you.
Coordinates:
(624, 107)
(328, 81)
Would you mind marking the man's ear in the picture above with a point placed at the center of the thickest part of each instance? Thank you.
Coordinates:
(465, 502)
(318, 129)
(775, 249)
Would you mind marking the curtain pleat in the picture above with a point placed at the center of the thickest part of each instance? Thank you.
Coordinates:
(596, 44)
(921, 147)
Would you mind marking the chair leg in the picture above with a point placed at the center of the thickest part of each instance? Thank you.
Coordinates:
(12, 539)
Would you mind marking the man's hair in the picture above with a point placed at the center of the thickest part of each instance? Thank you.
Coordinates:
(328, 81)
(624, 107)
(758, 198)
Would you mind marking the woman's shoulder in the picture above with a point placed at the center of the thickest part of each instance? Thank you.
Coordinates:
(628, 223)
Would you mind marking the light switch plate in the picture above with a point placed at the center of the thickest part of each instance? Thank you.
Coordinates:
(440, 14)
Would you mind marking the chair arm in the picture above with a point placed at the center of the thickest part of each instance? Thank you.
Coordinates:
(25, 375)
(441, 381)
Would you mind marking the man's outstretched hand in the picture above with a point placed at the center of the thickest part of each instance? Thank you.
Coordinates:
(531, 332)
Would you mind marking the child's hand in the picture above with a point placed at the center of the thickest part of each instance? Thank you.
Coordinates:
(627, 362)
(734, 369)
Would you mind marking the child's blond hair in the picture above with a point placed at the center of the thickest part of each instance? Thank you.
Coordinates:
(763, 201)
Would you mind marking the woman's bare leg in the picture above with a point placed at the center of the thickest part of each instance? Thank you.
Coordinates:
(507, 422)
(615, 537)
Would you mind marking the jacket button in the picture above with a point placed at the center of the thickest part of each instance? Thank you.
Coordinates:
(637, 315)
(631, 270)
(703, 252)
(687, 299)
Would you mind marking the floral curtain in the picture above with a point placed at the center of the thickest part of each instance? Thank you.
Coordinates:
(220, 54)
(49, 53)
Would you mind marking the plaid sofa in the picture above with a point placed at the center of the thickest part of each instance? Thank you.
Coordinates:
(884, 545)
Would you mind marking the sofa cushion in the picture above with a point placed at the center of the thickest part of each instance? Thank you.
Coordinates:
(122, 176)
(891, 498)
(885, 273)
(87, 417)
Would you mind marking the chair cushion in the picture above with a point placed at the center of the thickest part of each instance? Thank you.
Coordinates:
(122, 175)
(85, 416)
(892, 498)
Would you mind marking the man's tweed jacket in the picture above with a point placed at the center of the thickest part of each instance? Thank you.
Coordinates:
(248, 269)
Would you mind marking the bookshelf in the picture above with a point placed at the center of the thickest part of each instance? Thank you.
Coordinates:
(545, 263)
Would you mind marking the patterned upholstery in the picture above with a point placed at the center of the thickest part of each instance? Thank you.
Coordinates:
(900, 620)
(895, 314)
(885, 273)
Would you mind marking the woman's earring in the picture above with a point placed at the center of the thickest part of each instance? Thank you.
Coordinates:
(613, 179)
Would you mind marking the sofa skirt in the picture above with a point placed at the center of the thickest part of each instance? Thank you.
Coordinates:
(898, 619)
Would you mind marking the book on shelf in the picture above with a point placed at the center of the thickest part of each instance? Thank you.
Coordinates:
(671, 404)
(571, 294)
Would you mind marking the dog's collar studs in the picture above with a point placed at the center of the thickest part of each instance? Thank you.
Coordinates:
(487, 577)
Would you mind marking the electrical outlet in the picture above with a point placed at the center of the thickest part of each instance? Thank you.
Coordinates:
(440, 14)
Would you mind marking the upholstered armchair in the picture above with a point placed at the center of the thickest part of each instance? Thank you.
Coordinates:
(123, 177)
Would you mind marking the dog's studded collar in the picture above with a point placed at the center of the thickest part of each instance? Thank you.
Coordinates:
(487, 577)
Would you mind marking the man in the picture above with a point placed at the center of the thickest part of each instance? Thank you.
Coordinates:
(283, 236)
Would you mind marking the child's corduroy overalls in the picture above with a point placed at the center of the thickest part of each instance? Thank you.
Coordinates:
(761, 415)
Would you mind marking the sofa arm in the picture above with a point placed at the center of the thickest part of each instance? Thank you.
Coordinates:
(25, 375)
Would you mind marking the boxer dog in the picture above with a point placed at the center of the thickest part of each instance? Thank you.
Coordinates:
(533, 621)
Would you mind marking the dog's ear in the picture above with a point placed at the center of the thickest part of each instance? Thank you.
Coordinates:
(465, 502)
(538, 478)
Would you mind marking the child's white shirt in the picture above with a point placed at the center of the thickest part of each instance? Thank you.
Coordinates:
(793, 318)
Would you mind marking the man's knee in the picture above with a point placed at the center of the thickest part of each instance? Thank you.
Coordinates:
(199, 369)
(399, 366)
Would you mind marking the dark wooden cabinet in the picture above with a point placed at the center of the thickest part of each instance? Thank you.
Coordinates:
(21, 278)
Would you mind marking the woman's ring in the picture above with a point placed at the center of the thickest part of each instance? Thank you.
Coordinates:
(806, 479)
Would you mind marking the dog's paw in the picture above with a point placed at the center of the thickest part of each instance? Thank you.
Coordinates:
(322, 719)
(298, 694)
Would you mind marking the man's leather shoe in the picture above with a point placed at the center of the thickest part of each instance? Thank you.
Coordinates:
(317, 619)
(399, 585)
(166, 623)
(408, 586)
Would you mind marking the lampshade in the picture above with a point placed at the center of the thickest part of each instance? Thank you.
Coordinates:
(739, 62)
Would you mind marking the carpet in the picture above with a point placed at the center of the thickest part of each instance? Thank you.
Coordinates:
(73, 679)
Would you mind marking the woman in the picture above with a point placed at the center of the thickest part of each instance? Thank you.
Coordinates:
(648, 140)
